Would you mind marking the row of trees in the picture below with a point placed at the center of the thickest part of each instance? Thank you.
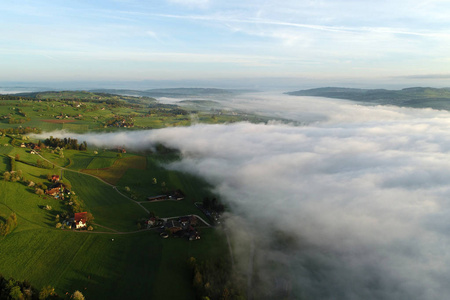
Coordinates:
(12, 120)
(13, 176)
(213, 280)
(9, 225)
(19, 130)
(166, 110)
(119, 121)
(213, 205)
(11, 289)
(66, 143)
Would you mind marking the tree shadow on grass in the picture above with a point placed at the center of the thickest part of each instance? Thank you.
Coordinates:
(7, 162)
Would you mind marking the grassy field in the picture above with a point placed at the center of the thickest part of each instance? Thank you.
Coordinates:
(142, 184)
(111, 170)
(27, 205)
(92, 262)
(132, 266)
(109, 208)
(135, 266)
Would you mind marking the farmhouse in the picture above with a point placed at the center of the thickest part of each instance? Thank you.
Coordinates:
(80, 220)
(53, 192)
(151, 222)
(156, 198)
(56, 189)
(173, 226)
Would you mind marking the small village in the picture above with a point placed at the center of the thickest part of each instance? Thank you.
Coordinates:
(177, 227)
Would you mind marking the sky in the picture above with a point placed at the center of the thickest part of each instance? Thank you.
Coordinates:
(296, 41)
(352, 204)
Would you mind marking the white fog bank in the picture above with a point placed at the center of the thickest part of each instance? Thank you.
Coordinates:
(353, 206)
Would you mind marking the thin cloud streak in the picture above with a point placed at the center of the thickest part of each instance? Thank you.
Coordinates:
(343, 29)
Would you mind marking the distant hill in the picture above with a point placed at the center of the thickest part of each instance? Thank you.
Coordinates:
(419, 97)
(86, 96)
(172, 92)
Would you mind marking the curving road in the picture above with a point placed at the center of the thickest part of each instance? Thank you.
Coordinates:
(123, 195)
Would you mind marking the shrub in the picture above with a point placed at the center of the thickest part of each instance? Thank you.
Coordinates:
(7, 176)
(77, 296)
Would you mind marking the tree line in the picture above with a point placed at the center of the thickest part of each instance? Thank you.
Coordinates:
(66, 143)
(213, 280)
(9, 225)
(19, 130)
(12, 289)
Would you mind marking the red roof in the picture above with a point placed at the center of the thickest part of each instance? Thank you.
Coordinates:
(80, 217)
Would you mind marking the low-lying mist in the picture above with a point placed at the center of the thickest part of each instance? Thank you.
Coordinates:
(354, 205)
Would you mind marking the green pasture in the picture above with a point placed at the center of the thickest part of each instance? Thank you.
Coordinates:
(27, 205)
(5, 150)
(133, 265)
(161, 121)
(109, 208)
(107, 266)
(55, 158)
(104, 159)
(113, 173)
(36, 174)
(75, 127)
(142, 185)
(78, 159)
(92, 262)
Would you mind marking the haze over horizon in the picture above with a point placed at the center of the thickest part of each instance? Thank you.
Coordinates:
(225, 43)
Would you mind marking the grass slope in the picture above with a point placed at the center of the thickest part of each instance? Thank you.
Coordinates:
(109, 208)
(111, 170)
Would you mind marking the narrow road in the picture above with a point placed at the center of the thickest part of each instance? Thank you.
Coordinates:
(111, 185)
(123, 195)
(197, 216)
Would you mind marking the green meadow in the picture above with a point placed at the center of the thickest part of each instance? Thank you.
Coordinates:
(133, 266)
(115, 260)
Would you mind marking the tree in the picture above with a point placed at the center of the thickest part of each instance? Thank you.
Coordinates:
(46, 292)
(7, 176)
(16, 293)
(17, 157)
(19, 174)
(89, 217)
(77, 295)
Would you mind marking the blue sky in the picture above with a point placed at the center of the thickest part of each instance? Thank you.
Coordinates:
(208, 39)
